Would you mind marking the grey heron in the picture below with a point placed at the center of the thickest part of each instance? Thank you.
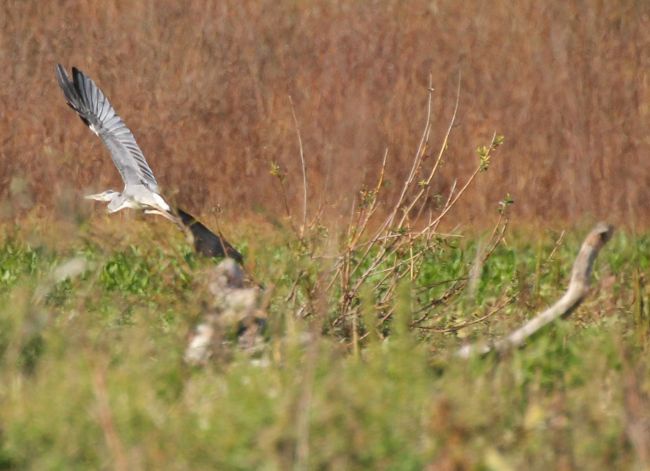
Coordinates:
(94, 109)
(140, 186)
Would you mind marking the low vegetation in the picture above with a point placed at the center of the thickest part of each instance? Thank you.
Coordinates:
(92, 374)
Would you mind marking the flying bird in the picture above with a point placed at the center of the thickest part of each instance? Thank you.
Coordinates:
(94, 109)
(140, 186)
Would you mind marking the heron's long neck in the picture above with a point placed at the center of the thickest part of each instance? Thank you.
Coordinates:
(118, 202)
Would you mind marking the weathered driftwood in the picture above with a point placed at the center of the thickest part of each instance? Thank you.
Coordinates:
(232, 306)
(577, 291)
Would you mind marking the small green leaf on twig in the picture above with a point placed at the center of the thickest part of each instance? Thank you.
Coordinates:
(367, 198)
(276, 171)
(484, 157)
(484, 152)
(505, 202)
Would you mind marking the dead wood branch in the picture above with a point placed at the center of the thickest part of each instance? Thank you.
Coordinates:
(576, 292)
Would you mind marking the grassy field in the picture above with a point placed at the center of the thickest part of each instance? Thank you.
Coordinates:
(349, 150)
(92, 377)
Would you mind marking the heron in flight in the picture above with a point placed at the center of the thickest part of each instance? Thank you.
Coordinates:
(94, 109)
(140, 186)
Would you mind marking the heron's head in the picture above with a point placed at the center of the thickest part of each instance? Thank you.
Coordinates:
(108, 195)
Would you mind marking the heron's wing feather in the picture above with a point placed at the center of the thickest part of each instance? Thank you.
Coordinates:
(96, 112)
(206, 242)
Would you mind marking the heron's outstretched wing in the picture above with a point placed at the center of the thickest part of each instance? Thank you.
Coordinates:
(95, 110)
(206, 242)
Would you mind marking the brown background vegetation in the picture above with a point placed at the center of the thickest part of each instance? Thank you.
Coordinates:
(205, 87)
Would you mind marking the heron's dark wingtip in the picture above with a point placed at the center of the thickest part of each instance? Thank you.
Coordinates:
(72, 91)
(77, 77)
(236, 256)
(185, 217)
(206, 242)
(61, 76)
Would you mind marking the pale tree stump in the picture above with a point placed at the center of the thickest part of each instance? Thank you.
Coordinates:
(232, 308)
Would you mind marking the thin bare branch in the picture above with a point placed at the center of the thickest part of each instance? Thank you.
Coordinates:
(455, 328)
(441, 152)
(304, 170)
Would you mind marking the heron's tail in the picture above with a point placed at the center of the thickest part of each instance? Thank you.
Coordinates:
(206, 242)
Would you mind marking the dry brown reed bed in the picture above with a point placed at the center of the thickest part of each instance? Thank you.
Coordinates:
(205, 86)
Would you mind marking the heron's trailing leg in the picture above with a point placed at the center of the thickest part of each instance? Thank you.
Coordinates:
(176, 220)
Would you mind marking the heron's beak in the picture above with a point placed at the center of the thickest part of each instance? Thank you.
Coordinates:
(100, 197)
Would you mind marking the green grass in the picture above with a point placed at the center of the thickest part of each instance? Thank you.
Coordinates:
(92, 377)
